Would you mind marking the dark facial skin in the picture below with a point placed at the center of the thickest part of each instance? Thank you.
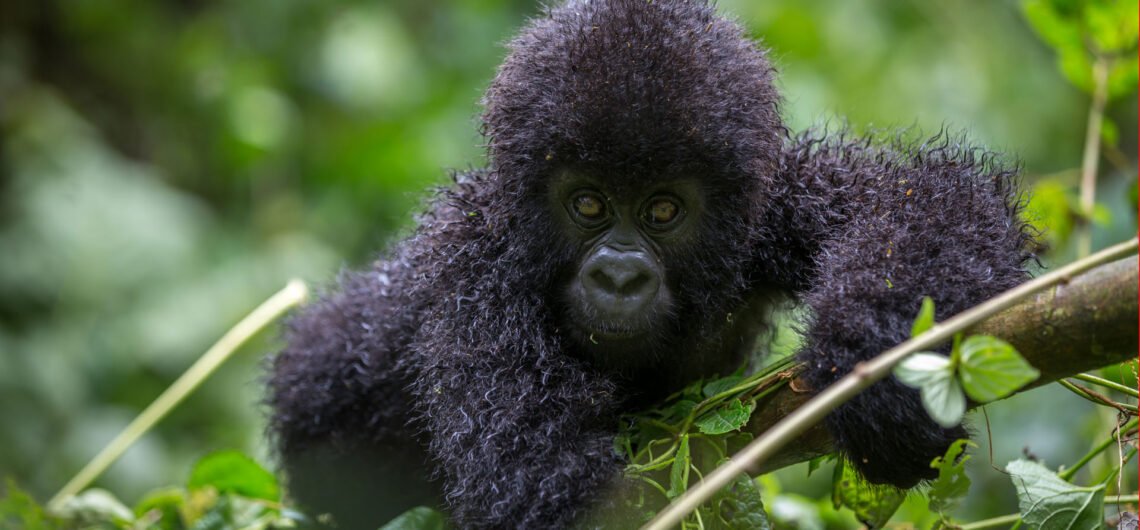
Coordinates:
(620, 295)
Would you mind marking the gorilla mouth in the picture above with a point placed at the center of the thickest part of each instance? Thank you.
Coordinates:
(616, 333)
(594, 325)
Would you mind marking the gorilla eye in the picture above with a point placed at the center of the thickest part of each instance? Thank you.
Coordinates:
(662, 211)
(589, 206)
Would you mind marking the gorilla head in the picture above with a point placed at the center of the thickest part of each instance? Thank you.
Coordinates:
(632, 135)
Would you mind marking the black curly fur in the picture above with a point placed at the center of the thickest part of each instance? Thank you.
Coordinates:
(450, 356)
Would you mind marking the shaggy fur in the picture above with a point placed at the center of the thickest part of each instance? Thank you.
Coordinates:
(450, 357)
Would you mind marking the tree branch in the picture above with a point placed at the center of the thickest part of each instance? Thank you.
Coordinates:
(790, 429)
(1088, 323)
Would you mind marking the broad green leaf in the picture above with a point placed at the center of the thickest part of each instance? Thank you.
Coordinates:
(1048, 503)
(679, 472)
(873, 505)
(952, 484)
(933, 375)
(991, 368)
(720, 385)
(233, 472)
(1054, 28)
(418, 518)
(736, 442)
(922, 368)
(1050, 211)
(726, 418)
(679, 410)
(1109, 26)
(944, 401)
(739, 506)
(925, 318)
(1112, 25)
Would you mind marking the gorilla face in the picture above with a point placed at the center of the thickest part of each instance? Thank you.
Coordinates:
(619, 294)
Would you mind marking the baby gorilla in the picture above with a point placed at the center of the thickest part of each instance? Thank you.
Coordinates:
(643, 210)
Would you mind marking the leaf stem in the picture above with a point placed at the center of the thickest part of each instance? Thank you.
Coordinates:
(1097, 398)
(1107, 384)
(1069, 472)
(292, 294)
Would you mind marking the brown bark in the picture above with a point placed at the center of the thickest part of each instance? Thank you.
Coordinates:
(1087, 323)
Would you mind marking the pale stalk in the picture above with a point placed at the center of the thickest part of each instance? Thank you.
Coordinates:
(1091, 157)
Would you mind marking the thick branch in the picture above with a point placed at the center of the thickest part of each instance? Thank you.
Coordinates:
(1085, 324)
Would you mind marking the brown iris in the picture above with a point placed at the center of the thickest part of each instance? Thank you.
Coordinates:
(662, 211)
(589, 206)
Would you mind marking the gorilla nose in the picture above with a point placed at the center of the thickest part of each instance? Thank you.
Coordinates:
(620, 282)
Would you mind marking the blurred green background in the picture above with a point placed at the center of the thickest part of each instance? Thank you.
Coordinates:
(165, 166)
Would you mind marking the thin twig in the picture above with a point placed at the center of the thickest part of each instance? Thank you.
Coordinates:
(1107, 384)
(1097, 397)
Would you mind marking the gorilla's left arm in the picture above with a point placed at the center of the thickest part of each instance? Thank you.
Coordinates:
(874, 226)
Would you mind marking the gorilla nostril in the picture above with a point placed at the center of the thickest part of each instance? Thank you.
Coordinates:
(604, 281)
(633, 285)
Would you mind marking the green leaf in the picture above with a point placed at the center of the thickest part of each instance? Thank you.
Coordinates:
(679, 410)
(944, 400)
(418, 518)
(720, 385)
(736, 442)
(952, 484)
(1049, 503)
(925, 318)
(1112, 25)
(991, 368)
(933, 375)
(20, 510)
(739, 506)
(1101, 215)
(1109, 133)
(923, 367)
(814, 463)
(233, 472)
(873, 505)
(1050, 211)
(728, 417)
(679, 472)
(164, 503)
